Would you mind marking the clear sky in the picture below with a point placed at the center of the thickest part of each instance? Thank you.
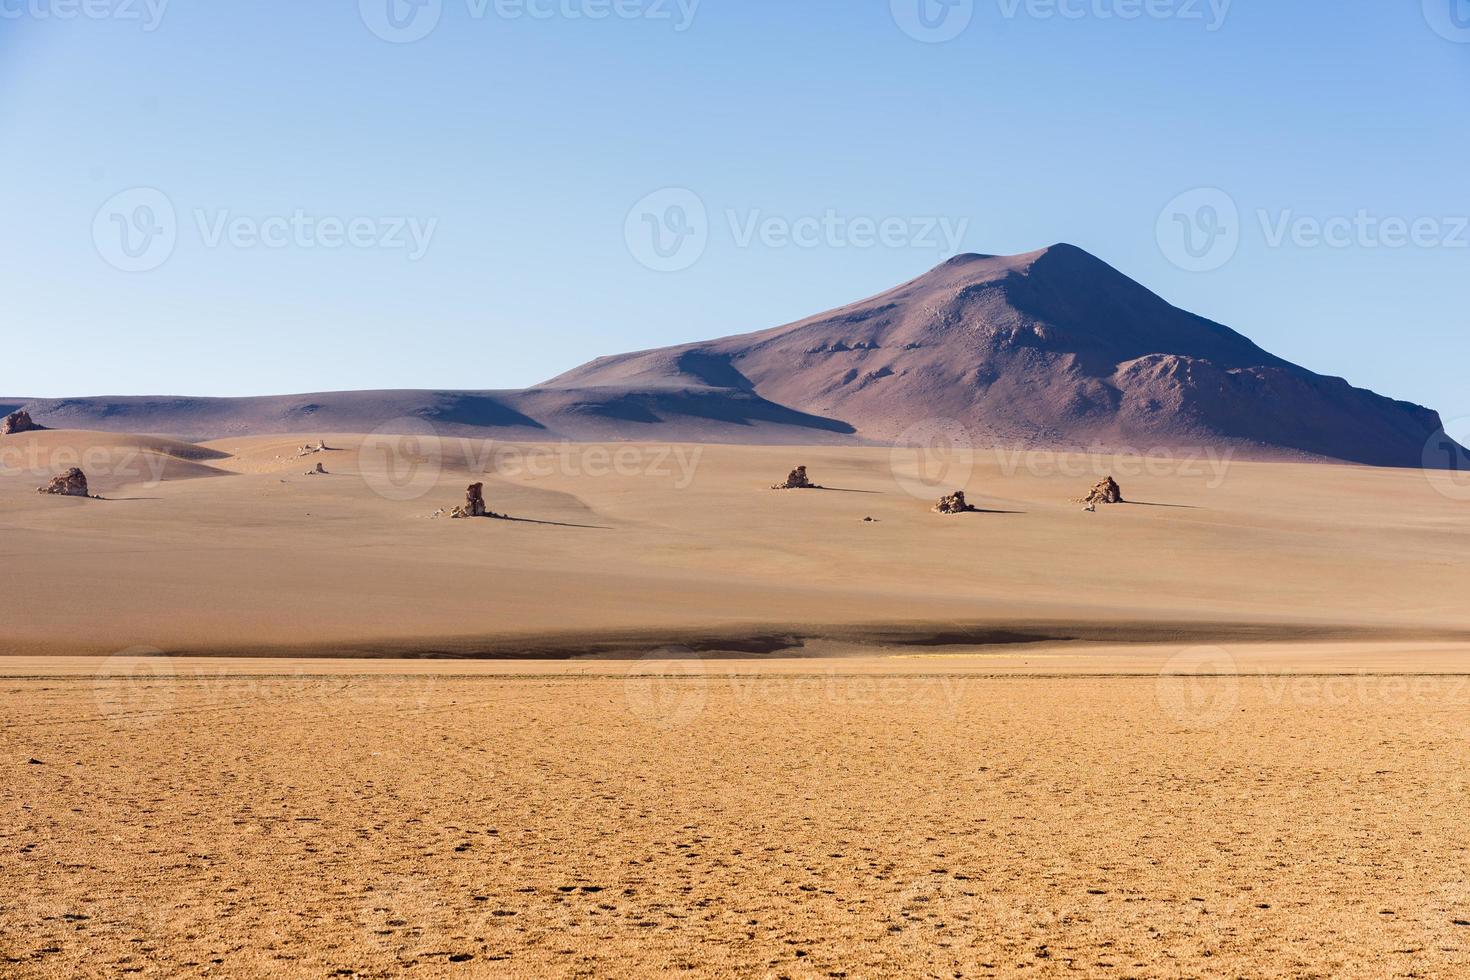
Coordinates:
(276, 196)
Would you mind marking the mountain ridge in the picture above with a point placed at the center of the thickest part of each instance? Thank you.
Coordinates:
(1053, 348)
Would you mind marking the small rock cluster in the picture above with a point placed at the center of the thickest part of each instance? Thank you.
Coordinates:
(1107, 491)
(797, 480)
(320, 469)
(18, 422)
(954, 503)
(72, 483)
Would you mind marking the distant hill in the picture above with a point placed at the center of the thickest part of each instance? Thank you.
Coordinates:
(1051, 349)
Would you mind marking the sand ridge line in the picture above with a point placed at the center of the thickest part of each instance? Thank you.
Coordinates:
(789, 641)
(722, 675)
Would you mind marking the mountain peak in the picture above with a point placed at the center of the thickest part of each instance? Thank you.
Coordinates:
(1060, 257)
(1050, 348)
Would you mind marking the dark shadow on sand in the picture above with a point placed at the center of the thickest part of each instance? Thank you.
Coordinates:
(529, 520)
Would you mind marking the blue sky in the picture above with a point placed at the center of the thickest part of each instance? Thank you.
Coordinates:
(351, 209)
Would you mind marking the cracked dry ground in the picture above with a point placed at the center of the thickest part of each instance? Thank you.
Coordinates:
(858, 826)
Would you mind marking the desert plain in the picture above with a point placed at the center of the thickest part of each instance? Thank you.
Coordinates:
(666, 720)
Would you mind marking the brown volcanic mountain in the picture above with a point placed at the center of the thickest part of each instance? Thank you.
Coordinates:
(1049, 349)
(1052, 348)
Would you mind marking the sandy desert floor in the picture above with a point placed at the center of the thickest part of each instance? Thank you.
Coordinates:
(232, 548)
(730, 731)
(939, 816)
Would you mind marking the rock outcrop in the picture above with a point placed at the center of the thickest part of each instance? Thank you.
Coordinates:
(1107, 491)
(954, 503)
(18, 422)
(474, 500)
(319, 469)
(474, 503)
(797, 480)
(72, 483)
